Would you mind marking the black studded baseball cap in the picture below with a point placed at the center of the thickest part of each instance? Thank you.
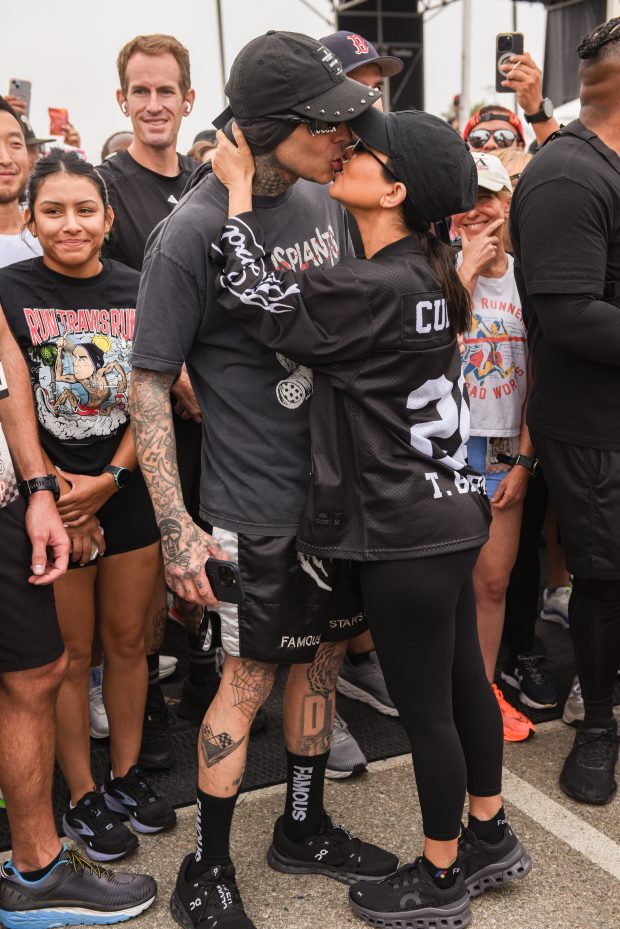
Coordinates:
(427, 155)
(283, 72)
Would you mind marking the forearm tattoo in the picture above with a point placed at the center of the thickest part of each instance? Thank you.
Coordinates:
(153, 433)
(215, 748)
(251, 685)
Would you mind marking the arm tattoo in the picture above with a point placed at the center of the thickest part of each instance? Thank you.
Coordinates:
(153, 432)
(251, 684)
(216, 747)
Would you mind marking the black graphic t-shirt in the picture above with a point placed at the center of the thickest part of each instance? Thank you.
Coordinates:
(76, 335)
(141, 199)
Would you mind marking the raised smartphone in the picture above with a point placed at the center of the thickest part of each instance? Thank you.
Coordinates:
(506, 45)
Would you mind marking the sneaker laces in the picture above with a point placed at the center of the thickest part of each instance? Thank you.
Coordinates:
(340, 730)
(598, 745)
(81, 863)
(218, 880)
(137, 786)
(531, 666)
(95, 806)
(348, 844)
(507, 709)
(403, 877)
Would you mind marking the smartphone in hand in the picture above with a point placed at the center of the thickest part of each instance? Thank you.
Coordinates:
(225, 580)
(507, 44)
(21, 89)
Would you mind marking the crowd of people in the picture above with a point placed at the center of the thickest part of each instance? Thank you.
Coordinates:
(365, 359)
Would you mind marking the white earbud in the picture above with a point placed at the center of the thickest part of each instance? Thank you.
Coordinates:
(188, 109)
(124, 109)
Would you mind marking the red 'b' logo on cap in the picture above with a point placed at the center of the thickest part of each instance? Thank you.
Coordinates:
(361, 45)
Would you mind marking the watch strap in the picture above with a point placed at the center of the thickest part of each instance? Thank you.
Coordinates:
(116, 471)
(540, 116)
(35, 484)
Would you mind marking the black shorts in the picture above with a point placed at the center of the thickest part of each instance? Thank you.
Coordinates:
(29, 633)
(127, 519)
(584, 485)
(294, 602)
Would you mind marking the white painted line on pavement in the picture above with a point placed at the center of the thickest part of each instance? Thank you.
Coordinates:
(563, 824)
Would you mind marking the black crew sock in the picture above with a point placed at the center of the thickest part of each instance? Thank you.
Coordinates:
(37, 875)
(202, 665)
(489, 830)
(305, 781)
(213, 821)
(358, 657)
(598, 714)
(444, 878)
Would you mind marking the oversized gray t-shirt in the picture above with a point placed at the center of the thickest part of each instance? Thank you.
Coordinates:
(256, 439)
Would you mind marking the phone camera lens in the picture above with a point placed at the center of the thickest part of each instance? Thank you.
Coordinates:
(504, 43)
(227, 577)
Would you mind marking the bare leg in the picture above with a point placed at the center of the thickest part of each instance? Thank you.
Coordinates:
(75, 605)
(124, 587)
(27, 701)
(156, 613)
(361, 643)
(309, 701)
(225, 730)
(491, 578)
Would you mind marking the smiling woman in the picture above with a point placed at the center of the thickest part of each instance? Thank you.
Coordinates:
(78, 361)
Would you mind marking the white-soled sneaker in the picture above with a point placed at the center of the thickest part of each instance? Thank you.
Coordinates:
(574, 710)
(99, 726)
(167, 666)
(345, 756)
(555, 605)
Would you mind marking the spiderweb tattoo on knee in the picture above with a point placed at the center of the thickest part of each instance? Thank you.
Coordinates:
(251, 684)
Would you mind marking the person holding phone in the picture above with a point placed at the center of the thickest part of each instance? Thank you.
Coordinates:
(391, 488)
(78, 362)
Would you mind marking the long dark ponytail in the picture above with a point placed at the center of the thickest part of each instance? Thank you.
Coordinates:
(441, 258)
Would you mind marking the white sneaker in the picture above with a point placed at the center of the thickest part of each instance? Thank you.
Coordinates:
(99, 726)
(167, 666)
(574, 710)
(555, 605)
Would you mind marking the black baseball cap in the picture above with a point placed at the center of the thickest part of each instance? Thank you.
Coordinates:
(427, 155)
(354, 51)
(283, 72)
(207, 135)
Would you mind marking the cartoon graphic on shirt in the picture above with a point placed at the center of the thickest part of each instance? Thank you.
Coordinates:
(293, 390)
(79, 368)
(484, 358)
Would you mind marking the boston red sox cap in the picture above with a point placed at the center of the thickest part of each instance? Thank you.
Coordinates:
(427, 155)
(283, 72)
(354, 51)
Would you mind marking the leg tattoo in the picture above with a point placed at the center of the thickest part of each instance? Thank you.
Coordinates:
(216, 747)
(251, 684)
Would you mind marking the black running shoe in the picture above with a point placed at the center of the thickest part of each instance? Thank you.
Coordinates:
(410, 899)
(74, 893)
(333, 852)
(156, 748)
(535, 688)
(102, 834)
(588, 772)
(211, 899)
(488, 866)
(132, 797)
(196, 700)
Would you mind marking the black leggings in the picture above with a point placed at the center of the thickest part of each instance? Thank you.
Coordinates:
(594, 609)
(422, 615)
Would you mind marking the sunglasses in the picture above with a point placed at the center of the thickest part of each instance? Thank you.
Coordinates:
(504, 138)
(359, 147)
(314, 126)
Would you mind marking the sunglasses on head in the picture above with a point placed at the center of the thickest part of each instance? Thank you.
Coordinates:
(504, 138)
(359, 147)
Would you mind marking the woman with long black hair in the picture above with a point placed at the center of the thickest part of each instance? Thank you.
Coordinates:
(73, 316)
(391, 488)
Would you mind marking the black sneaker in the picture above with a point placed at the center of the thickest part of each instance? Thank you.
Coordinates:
(156, 749)
(527, 676)
(588, 772)
(102, 834)
(488, 866)
(132, 797)
(410, 899)
(75, 892)
(196, 700)
(333, 852)
(213, 898)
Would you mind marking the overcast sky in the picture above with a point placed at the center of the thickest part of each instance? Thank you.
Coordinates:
(68, 50)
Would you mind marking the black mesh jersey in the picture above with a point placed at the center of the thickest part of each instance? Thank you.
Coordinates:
(389, 415)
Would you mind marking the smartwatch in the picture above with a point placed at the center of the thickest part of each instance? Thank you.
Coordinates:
(121, 475)
(545, 112)
(524, 460)
(49, 482)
